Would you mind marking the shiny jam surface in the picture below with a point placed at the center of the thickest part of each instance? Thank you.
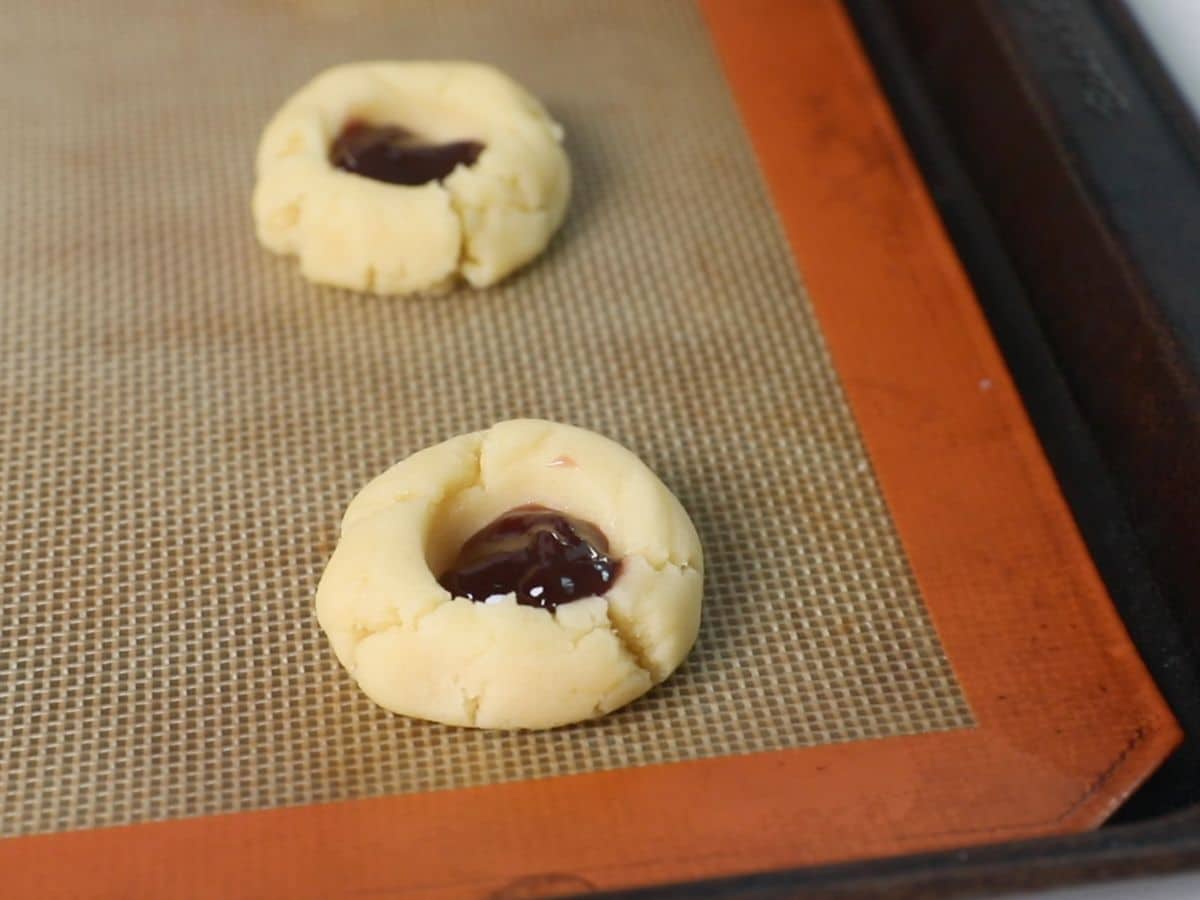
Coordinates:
(396, 155)
(546, 557)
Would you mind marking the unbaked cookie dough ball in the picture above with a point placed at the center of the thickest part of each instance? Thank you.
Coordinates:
(527, 576)
(402, 177)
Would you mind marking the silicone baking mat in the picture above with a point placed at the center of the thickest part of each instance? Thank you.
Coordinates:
(191, 417)
(184, 420)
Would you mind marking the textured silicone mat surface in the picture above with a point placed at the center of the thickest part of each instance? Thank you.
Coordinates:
(184, 419)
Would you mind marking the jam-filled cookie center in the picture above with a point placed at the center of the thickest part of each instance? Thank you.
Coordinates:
(396, 155)
(545, 557)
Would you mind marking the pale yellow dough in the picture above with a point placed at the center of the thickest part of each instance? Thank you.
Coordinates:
(480, 223)
(416, 650)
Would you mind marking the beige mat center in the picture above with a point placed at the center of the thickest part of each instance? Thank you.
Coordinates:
(183, 419)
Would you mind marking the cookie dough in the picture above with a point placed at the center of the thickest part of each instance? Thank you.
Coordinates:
(502, 200)
(417, 650)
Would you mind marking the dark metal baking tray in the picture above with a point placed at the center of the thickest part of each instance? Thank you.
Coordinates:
(1067, 172)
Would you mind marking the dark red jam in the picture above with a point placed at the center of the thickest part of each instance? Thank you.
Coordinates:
(396, 155)
(547, 558)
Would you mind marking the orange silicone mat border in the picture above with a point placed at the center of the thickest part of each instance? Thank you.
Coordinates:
(1068, 719)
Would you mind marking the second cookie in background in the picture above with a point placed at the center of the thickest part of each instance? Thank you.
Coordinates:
(405, 177)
